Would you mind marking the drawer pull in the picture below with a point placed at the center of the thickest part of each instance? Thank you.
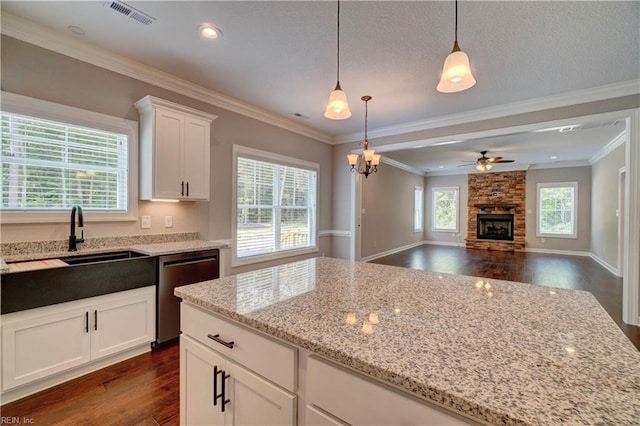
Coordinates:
(86, 322)
(217, 338)
(182, 190)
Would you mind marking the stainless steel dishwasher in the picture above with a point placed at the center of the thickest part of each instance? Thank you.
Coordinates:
(174, 271)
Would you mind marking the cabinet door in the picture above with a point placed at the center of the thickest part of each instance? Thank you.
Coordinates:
(196, 158)
(168, 154)
(37, 347)
(256, 401)
(122, 324)
(197, 364)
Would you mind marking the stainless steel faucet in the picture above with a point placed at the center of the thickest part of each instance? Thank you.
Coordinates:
(72, 237)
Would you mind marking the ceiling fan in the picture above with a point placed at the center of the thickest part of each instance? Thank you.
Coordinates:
(485, 163)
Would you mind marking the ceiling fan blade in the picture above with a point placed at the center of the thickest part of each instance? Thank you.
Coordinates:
(467, 165)
(494, 159)
(504, 161)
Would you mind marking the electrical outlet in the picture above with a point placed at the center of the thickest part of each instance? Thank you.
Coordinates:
(145, 222)
(168, 221)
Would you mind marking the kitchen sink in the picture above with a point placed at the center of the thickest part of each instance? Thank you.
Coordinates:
(85, 276)
(100, 257)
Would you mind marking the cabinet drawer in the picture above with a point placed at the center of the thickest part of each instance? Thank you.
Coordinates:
(363, 401)
(249, 348)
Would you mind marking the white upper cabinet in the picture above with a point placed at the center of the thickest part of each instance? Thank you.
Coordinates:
(174, 151)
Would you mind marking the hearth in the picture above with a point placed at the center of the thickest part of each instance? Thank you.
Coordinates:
(495, 227)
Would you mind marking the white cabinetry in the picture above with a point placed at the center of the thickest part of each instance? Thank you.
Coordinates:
(237, 385)
(336, 396)
(174, 151)
(42, 342)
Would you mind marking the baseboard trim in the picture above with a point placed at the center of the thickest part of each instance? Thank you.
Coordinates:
(390, 252)
(606, 265)
(444, 243)
(563, 252)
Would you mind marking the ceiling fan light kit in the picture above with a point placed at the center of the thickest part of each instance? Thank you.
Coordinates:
(456, 72)
(338, 106)
(484, 163)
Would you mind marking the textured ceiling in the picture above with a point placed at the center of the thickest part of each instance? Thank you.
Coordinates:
(280, 56)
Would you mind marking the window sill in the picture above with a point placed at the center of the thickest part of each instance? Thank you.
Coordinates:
(574, 237)
(447, 231)
(64, 217)
(273, 256)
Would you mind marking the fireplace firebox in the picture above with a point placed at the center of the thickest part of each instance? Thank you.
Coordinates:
(495, 227)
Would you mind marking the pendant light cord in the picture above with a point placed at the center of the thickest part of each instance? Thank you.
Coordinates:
(456, 21)
(338, 49)
(366, 119)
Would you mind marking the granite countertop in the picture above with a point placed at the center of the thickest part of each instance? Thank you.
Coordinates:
(152, 249)
(499, 351)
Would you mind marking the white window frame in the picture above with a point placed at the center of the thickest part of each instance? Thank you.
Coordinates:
(418, 209)
(435, 190)
(540, 186)
(239, 150)
(38, 108)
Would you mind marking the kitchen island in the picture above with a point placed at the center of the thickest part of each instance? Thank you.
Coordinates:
(496, 351)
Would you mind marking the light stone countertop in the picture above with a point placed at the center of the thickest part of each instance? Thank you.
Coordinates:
(32, 251)
(504, 353)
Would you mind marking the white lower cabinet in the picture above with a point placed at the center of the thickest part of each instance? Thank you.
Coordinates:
(337, 396)
(216, 389)
(42, 342)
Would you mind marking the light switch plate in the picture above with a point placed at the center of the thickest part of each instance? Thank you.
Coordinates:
(145, 222)
(168, 221)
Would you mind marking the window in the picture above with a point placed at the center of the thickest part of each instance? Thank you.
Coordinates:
(445, 209)
(50, 164)
(417, 209)
(557, 203)
(276, 201)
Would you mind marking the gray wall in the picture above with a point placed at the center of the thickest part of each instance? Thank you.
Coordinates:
(604, 204)
(582, 175)
(460, 181)
(387, 199)
(32, 71)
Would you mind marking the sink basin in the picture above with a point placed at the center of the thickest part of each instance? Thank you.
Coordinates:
(85, 276)
(100, 257)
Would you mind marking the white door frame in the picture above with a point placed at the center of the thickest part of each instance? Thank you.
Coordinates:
(620, 213)
(631, 244)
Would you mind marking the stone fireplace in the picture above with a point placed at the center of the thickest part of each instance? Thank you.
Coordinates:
(496, 206)
(494, 227)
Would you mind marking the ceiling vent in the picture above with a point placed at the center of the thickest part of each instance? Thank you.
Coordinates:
(131, 12)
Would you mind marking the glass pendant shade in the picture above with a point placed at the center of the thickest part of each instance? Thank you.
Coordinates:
(376, 160)
(338, 107)
(353, 159)
(456, 73)
(368, 154)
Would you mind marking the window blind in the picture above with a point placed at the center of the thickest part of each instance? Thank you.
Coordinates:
(48, 165)
(276, 207)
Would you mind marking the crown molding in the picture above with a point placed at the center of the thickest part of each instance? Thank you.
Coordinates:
(609, 91)
(402, 166)
(27, 31)
(560, 165)
(608, 148)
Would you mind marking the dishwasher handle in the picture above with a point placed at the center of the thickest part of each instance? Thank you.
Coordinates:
(192, 261)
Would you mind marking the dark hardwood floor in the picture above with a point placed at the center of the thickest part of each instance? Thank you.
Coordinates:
(140, 391)
(573, 272)
(145, 390)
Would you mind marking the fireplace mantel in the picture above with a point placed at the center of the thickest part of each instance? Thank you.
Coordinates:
(495, 206)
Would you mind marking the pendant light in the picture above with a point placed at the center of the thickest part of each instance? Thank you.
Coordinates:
(367, 162)
(456, 73)
(338, 107)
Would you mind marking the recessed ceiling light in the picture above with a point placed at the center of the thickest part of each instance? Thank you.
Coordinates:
(209, 31)
(441, 167)
(553, 157)
(76, 30)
